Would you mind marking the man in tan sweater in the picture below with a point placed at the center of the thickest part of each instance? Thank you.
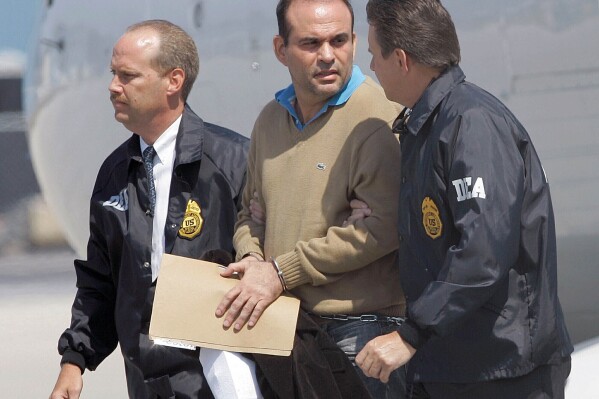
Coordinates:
(325, 140)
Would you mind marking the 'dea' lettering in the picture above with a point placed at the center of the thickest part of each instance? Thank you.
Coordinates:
(463, 191)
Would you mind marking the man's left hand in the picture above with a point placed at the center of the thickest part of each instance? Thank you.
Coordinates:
(258, 288)
(383, 354)
(359, 211)
(256, 212)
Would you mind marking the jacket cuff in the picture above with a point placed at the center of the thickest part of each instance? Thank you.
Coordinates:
(412, 334)
(72, 357)
(293, 273)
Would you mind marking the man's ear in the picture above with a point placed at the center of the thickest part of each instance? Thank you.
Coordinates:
(176, 78)
(278, 45)
(404, 62)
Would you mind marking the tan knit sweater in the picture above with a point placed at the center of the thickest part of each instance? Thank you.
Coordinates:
(305, 181)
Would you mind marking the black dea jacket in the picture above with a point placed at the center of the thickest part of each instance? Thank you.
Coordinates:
(115, 291)
(477, 240)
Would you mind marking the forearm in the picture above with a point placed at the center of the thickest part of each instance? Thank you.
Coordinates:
(323, 260)
(351, 246)
(249, 235)
(248, 238)
(92, 335)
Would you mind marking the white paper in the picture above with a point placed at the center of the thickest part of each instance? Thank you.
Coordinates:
(174, 344)
(229, 375)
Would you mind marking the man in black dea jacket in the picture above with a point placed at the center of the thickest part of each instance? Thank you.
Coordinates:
(477, 252)
(173, 187)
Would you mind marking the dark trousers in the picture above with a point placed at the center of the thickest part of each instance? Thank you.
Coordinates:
(351, 337)
(544, 382)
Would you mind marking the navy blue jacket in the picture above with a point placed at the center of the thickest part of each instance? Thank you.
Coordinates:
(114, 285)
(477, 240)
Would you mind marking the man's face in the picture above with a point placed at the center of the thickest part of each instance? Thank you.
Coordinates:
(320, 50)
(137, 90)
(386, 69)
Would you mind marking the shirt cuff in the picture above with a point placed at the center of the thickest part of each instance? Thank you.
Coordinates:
(412, 334)
(72, 357)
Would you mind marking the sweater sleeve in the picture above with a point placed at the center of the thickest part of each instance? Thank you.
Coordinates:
(374, 179)
(249, 236)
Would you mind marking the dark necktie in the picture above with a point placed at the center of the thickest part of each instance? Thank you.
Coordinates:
(148, 156)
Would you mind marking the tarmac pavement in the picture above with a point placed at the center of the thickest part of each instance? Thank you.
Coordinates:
(36, 293)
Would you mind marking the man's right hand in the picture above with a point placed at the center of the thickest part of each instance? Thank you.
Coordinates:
(384, 354)
(69, 383)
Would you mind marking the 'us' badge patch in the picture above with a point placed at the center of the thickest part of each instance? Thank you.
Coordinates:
(430, 218)
(192, 222)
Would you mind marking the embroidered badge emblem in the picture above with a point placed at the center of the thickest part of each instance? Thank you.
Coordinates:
(192, 222)
(119, 202)
(430, 218)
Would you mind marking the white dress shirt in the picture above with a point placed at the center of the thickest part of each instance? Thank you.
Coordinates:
(219, 366)
(164, 161)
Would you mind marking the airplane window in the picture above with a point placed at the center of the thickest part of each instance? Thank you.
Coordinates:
(57, 44)
(198, 15)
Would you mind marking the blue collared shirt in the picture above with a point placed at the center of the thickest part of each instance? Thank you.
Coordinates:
(286, 97)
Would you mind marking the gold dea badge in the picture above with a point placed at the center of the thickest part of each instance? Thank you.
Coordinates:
(430, 218)
(192, 222)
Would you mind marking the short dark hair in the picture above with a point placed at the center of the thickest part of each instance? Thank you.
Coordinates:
(176, 50)
(422, 28)
(283, 6)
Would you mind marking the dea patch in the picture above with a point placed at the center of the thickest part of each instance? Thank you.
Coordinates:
(463, 191)
(431, 219)
(192, 222)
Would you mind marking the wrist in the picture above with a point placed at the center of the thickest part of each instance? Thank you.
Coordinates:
(255, 255)
(72, 358)
(274, 263)
(71, 368)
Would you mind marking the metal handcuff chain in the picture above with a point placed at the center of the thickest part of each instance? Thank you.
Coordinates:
(364, 318)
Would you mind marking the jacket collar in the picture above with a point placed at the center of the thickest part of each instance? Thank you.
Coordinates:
(432, 96)
(190, 140)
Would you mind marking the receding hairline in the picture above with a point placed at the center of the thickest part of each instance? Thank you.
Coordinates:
(152, 38)
(151, 35)
(323, 2)
(348, 8)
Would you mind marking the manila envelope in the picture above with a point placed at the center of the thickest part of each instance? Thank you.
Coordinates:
(187, 294)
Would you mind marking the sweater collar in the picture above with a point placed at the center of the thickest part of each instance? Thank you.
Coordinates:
(286, 97)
